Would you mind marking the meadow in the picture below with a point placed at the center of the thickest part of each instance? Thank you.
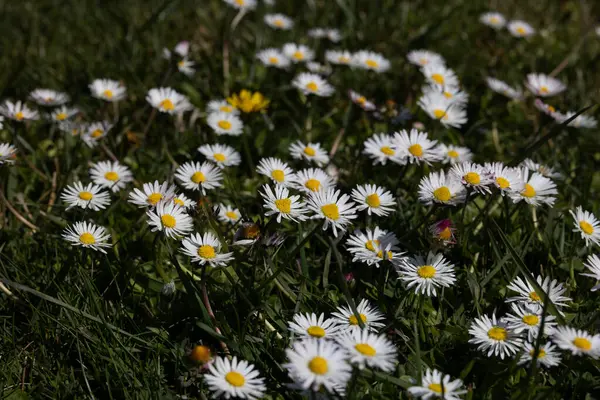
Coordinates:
(384, 199)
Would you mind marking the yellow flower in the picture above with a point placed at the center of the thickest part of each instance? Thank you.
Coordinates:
(248, 102)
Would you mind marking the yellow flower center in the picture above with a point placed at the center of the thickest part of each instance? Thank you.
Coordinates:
(445, 234)
(531, 319)
(312, 86)
(318, 365)
(442, 194)
(544, 89)
(354, 321)
(284, 205)
(439, 113)
(361, 100)
(365, 349)
(298, 55)
(435, 387)
(586, 227)
(331, 211)
(273, 60)
(388, 151)
(521, 30)
(503, 183)
(316, 331)
(472, 178)
(497, 333)
(206, 251)
(49, 99)
(416, 150)
(309, 151)
(494, 20)
(448, 95)
(154, 198)
(111, 176)
(240, 2)
(423, 61)
(108, 94)
(251, 231)
(372, 63)
(534, 296)
(541, 353)
(370, 245)
(388, 255)
(550, 108)
(179, 202)
(343, 59)
(231, 215)
(313, 185)
(198, 177)
(582, 343)
(452, 153)
(19, 116)
(168, 221)
(61, 116)
(226, 109)
(278, 175)
(529, 191)
(87, 196)
(373, 200)
(278, 23)
(426, 271)
(201, 354)
(220, 157)
(167, 104)
(235, 378)
(226, 125)
(87, 238)
(181, 63)
(97, 133)
(438, 78)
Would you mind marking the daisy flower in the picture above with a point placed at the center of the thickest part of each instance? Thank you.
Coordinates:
(337, 210)
(440, 75)
(63, 113)
(310, 152)
(494, 337)
(339, 57)
(234, 378)
(368, 349)
(314, 364)
(527, 320)
(167, 100)
(245, 5)
(318, 68)
(312, 180)
(453, 93)
(506, 179)
(186, 67)
(369, 315)
(182, 49)
(107, 90)
(451, 154)
(152, 194)
(94, 132)
(381, 148)
(520, 29)
(593, 265)
(278, 171)
(548, 355)
(49, 97)
(361, 101)
(223, 123)
(545, 108)
(279, 21)
(504, 88)
(443, 231)
(541, 169)
(87, 197)
(87, 234)
(297, 53)
(196, 176)
(71, 127)
(440, 188)
(435, 384)
(369, 247)
(526, 294)
(439, 107)
(370, 60)
(183, 201)
(580, 121)
(171, 219)
(205, 249)
(248, 102)
(8, 153)
(310, 326)
(221, 106)
(280, 203)
(423, 58)
(228, 214)
(220, 154)
(473, 176)
(577, 341)
(544, 85)
(375, 199)
(272, 57)
(587, 225)
(309, 83)
(427, 275)
(18, 111)
(111, 175)
(415, 147)
(536, 189)
(493, 19)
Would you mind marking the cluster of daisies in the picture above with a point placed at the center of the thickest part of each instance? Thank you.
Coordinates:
(517, 28)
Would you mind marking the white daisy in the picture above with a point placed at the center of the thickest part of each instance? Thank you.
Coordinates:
(88, 235)
(536, 190)
(493, 19)
(441, 108)
(182, 49)
(440, 75)
(545, 108)
(309, 325)
(111, 175)
(580, 121)
(94, 132)
(422, 58)
(504, 88)
(71, 127)
(234, 378)
(311, 152)
(108, 90)
(223, 123)
(370, 60)
(280, 203)
(330, 34)
(577, 341)
(415, 147)
(318, 68)
(374, 246)
(278, 171)
(242, 4)
(520, 29)
(314, 363)
(339, 57)
(506, 179)
(451, 154)
(167, 100)
(369, 315)
(528, 295)
(527, 320)
(427, 275)
(18, 111)
(440, 188)
(548, 355)
(587, 225)
(63, 113)
(381, 148)
(435, 384)
(151, 194)
(375, 199)
(171, 219)
(279, 21)
(183, 201)
(337, 210)
(312, 180)
(544, 85)
(593, 265)
(453, 93)
(205, 249)
(297, 53)
(541, 169)
(186, 67)
(361, 101)
(8, 153)
(196, 176)
(221, 106)
(272, 57)
(49, 97)
(473, 176)
(87, 197)
(228, 214)
(494, 337)
(309, 83)
(221, 154)
(368, 349)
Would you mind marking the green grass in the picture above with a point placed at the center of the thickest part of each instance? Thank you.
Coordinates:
(81, 324)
